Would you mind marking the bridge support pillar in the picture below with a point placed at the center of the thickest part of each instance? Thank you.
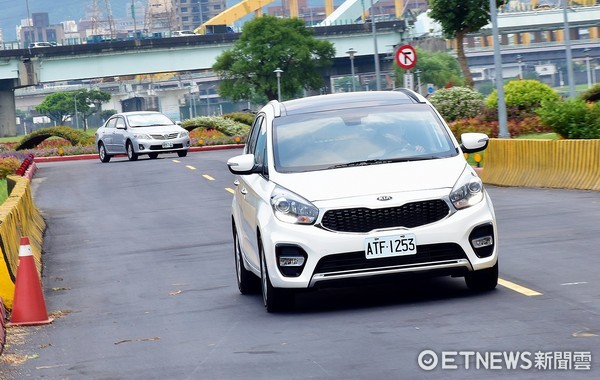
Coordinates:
(8, 115)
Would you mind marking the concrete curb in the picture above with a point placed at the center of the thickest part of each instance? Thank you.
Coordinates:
(95, 156)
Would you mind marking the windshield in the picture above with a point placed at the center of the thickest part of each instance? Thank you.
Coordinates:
(359, 136)
(148, 120)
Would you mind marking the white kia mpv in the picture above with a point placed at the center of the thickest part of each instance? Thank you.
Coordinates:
(335, 189)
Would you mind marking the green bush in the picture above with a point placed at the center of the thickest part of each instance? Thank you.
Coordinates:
(227, 126)
(523, 97)
(241, 117)
(572, 118)
(457, 103)
(591, 94)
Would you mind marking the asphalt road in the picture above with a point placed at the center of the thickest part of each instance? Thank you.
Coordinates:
(139, 273)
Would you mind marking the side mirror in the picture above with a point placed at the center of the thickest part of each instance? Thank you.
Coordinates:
(473, 142)
(243, 164)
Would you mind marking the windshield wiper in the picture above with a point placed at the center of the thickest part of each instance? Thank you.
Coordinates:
(361, 163)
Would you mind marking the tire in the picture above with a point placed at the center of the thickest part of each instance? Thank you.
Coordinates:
(182, 153)
(483, 280)
(104, 157)
(274, 299)
(247, 282)
(131, 155)
(153, 155)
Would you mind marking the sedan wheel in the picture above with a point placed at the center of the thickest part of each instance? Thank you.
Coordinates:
(153, 155)
(104, 157)
(130, 152)
(182, 153)
(275, 299)
(247, 282)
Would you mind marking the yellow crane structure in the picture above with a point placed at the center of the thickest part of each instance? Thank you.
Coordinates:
(245, 7)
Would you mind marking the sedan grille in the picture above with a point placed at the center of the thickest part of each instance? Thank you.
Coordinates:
(365, 219)
(168, 136)
(357, 260)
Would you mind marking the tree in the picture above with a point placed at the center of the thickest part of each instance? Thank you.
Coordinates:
(439, 68)
(60, 106)
(458, 18)
(268, 43)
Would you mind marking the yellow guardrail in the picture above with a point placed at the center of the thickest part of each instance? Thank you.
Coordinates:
(565, 164)
(18, 217)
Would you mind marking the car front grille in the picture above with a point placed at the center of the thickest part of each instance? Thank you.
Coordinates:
(169, 136)
(363, 219)
(159, 147)
(357, 261)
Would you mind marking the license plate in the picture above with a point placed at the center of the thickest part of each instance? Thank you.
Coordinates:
(389, 246)
(167, 145)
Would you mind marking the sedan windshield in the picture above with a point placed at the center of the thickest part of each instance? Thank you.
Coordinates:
(148, 120)
(359, 136)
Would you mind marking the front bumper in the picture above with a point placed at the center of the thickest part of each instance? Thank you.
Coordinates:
(143, 146)
(443, 248)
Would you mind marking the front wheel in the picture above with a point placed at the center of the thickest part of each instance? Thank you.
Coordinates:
(131, 155)
(275, 299)
(483, 280)
(247, 282)
(182, 153)
(104, 157)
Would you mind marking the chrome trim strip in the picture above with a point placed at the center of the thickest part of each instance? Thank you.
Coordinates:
(389, 270)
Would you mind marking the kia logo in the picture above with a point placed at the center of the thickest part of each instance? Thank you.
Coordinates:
(384, 198)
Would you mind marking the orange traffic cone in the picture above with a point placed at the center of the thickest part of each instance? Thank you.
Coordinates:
(29, 307)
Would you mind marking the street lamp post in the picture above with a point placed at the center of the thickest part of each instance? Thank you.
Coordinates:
(418, 72)
(375, 53)
(519, 61)
(76, 117)
(278, 72)
(351, 53)
(587, 64)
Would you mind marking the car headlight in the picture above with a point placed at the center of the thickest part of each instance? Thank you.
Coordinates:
(292, 208)
(183, 134)
(468, 190)
(142, 136)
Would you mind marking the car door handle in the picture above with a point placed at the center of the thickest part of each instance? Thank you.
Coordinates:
(244, 191)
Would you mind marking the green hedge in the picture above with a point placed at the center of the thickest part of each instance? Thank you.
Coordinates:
(224, 125)
(74, 136)
(572, 118)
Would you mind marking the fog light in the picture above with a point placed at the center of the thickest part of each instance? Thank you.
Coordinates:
(482, 242)
(141, 147)
(291, 261)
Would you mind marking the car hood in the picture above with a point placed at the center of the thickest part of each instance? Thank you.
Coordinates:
(158, 130)
(374, 179)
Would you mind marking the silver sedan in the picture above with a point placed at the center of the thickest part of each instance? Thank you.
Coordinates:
(141, 132)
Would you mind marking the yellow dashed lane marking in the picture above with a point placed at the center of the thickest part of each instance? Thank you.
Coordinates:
(208, 177)
(190, 167)
(518, 288)
(177, 161)
(230, 190)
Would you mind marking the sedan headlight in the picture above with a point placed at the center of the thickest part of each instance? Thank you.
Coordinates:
(183, 134)
(468, 190)
(292, 208)
(142, 136)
